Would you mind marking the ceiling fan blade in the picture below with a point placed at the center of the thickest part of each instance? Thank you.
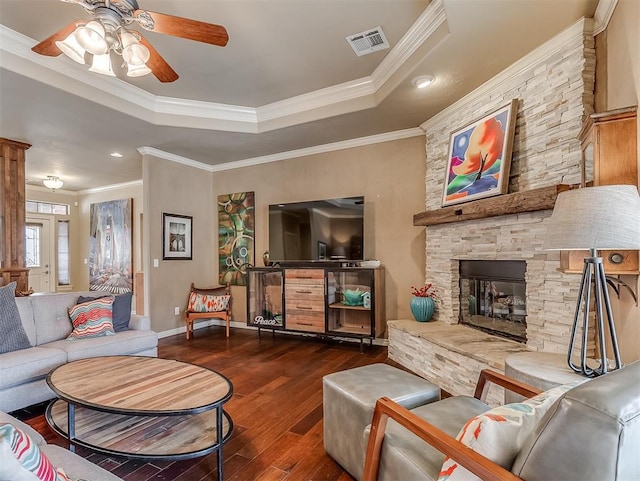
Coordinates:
(48, 45)
(182, 27)
(158, 65)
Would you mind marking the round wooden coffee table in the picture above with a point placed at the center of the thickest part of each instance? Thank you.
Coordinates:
(141, 407)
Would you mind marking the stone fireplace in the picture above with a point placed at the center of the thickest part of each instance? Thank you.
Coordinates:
(554, 88)
(493, 297)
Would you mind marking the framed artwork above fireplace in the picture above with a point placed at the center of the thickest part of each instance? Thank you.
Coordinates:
(480, 157)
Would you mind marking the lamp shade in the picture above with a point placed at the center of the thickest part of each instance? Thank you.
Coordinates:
(603, 217)
(91, 38)
(133, 52)
(71, 48)
(137, 70)
(102, 64)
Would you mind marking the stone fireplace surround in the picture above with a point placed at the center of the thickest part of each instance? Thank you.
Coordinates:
(554, 87)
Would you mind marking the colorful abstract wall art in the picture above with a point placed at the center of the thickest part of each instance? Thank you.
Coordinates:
(110, 241)
(236, 220)
(480, 157)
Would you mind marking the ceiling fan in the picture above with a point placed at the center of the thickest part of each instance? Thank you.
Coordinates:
(109, 31)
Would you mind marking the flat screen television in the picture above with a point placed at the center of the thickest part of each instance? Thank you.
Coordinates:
(317, 231)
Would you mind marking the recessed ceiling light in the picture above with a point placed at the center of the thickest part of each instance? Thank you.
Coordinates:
(423, 81)
(115, 154)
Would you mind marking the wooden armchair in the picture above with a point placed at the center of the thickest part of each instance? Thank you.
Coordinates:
(225, 315)
(443, 442)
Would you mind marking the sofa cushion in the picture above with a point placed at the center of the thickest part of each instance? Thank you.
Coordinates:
(51, 316)
(92, 318)
(123, 343)
(500, 433)
(26, 316)
(31, 364)
(22, 458)
(121, 309)
(207, 303)
(12, 335)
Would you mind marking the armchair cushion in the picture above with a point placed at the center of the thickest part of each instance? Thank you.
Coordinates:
(500, 433)
(207, 303)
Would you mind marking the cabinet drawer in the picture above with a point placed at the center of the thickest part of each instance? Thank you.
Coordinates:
(304, 275)
(303, 306)
(304, 292)
(306, 321)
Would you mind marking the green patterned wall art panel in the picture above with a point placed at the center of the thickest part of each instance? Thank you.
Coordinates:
(236, 221)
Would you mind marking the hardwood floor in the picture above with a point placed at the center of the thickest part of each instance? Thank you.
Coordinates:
(276, 407)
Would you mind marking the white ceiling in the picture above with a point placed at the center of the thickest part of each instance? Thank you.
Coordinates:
(286, 80)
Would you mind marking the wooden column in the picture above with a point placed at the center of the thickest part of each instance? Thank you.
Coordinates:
(12, 214)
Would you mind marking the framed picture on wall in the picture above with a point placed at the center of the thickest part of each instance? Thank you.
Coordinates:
(322, 251)
(480, 157)
(177, 237)
(110, 243)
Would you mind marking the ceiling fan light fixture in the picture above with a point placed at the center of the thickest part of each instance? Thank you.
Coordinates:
(72, 49)
(102, 64)
(137, 70)
(52, 182)
(92, 38)
(133, 52)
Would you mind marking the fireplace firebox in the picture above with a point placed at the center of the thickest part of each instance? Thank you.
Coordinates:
(493, 297)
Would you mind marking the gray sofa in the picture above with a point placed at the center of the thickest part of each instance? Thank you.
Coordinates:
(46, 322)
(73, 465)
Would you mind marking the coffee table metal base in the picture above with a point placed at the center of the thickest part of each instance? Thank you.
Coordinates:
(142, 437)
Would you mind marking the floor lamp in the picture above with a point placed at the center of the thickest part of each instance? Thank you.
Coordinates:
(594, 218)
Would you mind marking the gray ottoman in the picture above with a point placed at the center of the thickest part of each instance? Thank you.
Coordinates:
(348, 399)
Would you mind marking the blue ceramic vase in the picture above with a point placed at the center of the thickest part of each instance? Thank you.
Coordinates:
(422, 308)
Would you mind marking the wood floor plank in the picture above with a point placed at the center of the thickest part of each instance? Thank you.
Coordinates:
(276, 407)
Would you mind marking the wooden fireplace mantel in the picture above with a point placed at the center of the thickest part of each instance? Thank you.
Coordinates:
(533, 200)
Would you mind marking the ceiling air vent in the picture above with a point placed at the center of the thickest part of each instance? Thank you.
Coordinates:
(367, 42)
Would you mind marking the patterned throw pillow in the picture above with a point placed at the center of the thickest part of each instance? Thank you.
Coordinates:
(207, 303)
(22, 459)
(500, 433)
(92, 318)
(121, 309)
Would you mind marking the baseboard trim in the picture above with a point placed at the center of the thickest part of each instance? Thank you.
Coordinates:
(242, 325)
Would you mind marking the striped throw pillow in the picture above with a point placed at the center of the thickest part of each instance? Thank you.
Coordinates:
(93, 318)
(22, 459)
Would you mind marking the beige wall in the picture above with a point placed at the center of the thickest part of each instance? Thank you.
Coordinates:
(622, 90)
(390, 175)
(176, 189)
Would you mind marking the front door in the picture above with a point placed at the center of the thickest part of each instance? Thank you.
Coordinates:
(39, 254)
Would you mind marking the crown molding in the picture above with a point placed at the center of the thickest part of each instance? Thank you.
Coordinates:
(556, 45)
(107, 188)
(425, 26)
(42, 188)
(177, 112)
(178, 159)
(603, 14)
(291, 154)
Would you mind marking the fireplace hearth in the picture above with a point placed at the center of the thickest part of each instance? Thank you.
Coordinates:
(493, 297)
